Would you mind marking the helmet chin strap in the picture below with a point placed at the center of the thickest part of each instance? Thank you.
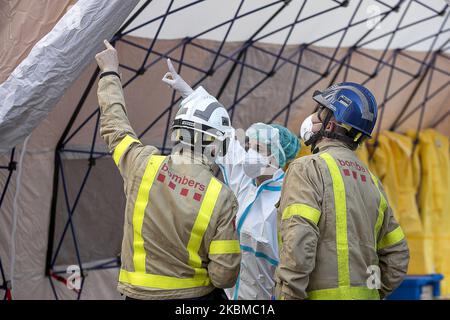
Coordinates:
(322, 133)
(319, 135)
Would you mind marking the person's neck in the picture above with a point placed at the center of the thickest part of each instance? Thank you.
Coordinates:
(261, 179)
(195, 156)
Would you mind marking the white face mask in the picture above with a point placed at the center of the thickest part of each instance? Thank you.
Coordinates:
(256, 165)
(306, 129)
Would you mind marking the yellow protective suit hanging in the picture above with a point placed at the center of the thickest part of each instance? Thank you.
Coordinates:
(434, 199)
(363, 154)
(395, 165)
(304, 150)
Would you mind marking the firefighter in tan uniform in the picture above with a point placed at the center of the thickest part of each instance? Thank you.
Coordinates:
(339, 236)
(179, 238)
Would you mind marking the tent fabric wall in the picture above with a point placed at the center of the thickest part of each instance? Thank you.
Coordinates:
(31, 238)
(98, 213)
(22, 24)
(260, 105)
(55, 62)
(213, 12)
(33, 220)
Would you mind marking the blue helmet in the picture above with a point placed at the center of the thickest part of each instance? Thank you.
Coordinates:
(352, 104)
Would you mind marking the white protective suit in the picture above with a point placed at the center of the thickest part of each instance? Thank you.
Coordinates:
(256, 225)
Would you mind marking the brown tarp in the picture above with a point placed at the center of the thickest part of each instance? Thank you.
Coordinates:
(22, 24)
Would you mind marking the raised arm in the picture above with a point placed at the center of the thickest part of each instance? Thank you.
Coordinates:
(115, 128)
(176, 82)
(231, 163)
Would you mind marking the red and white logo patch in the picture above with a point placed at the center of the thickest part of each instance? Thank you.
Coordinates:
(353, 169)
(186, 186)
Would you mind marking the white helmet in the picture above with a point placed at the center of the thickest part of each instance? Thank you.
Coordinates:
(202, 113)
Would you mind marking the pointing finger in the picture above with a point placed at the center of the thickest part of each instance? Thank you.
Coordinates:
(171, 68)
(108, 45)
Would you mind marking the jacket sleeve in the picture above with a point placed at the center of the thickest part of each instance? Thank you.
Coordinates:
(299, 214)
(115, 128)
(224, 250)
(393, 253)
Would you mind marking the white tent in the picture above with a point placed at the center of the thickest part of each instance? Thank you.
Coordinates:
(262, 58)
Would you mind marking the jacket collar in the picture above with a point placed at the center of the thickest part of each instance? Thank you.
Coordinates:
(278, 176)
(326, 144)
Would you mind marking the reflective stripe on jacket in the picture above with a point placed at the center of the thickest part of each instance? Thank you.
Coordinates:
(179, 237)
(340, 239)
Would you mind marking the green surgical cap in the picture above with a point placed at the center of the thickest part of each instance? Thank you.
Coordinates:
(284, 144)
(289, 142)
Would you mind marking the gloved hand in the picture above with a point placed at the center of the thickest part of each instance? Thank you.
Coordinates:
(176, 82)
(108, 60)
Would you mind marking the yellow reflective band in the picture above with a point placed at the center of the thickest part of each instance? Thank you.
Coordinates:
(139, 254)
(201, 224)
(224, 247)
(280, 241)
(341, 220)
(162, 282)
(381, 209)
(302, 210)
(391, 238)
(345, 293)
(122, 147)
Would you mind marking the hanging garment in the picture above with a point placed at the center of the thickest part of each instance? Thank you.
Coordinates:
(434, 199)
(304, 150)
(397, 168)
(363, 154)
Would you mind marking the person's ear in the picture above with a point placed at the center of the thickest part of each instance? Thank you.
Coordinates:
(273, 161)
(330, 126)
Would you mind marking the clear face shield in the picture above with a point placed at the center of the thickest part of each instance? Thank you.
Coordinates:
(200, 142)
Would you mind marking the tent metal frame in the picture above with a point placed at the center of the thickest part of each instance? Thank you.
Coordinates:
(336, 67)
(11, 167)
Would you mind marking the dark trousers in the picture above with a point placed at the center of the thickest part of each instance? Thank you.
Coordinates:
(215, 295)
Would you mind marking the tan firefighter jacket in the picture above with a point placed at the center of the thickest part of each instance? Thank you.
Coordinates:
(179, 235)
(339, 236)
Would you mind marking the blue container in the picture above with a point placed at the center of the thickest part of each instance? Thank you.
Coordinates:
(418, 288)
